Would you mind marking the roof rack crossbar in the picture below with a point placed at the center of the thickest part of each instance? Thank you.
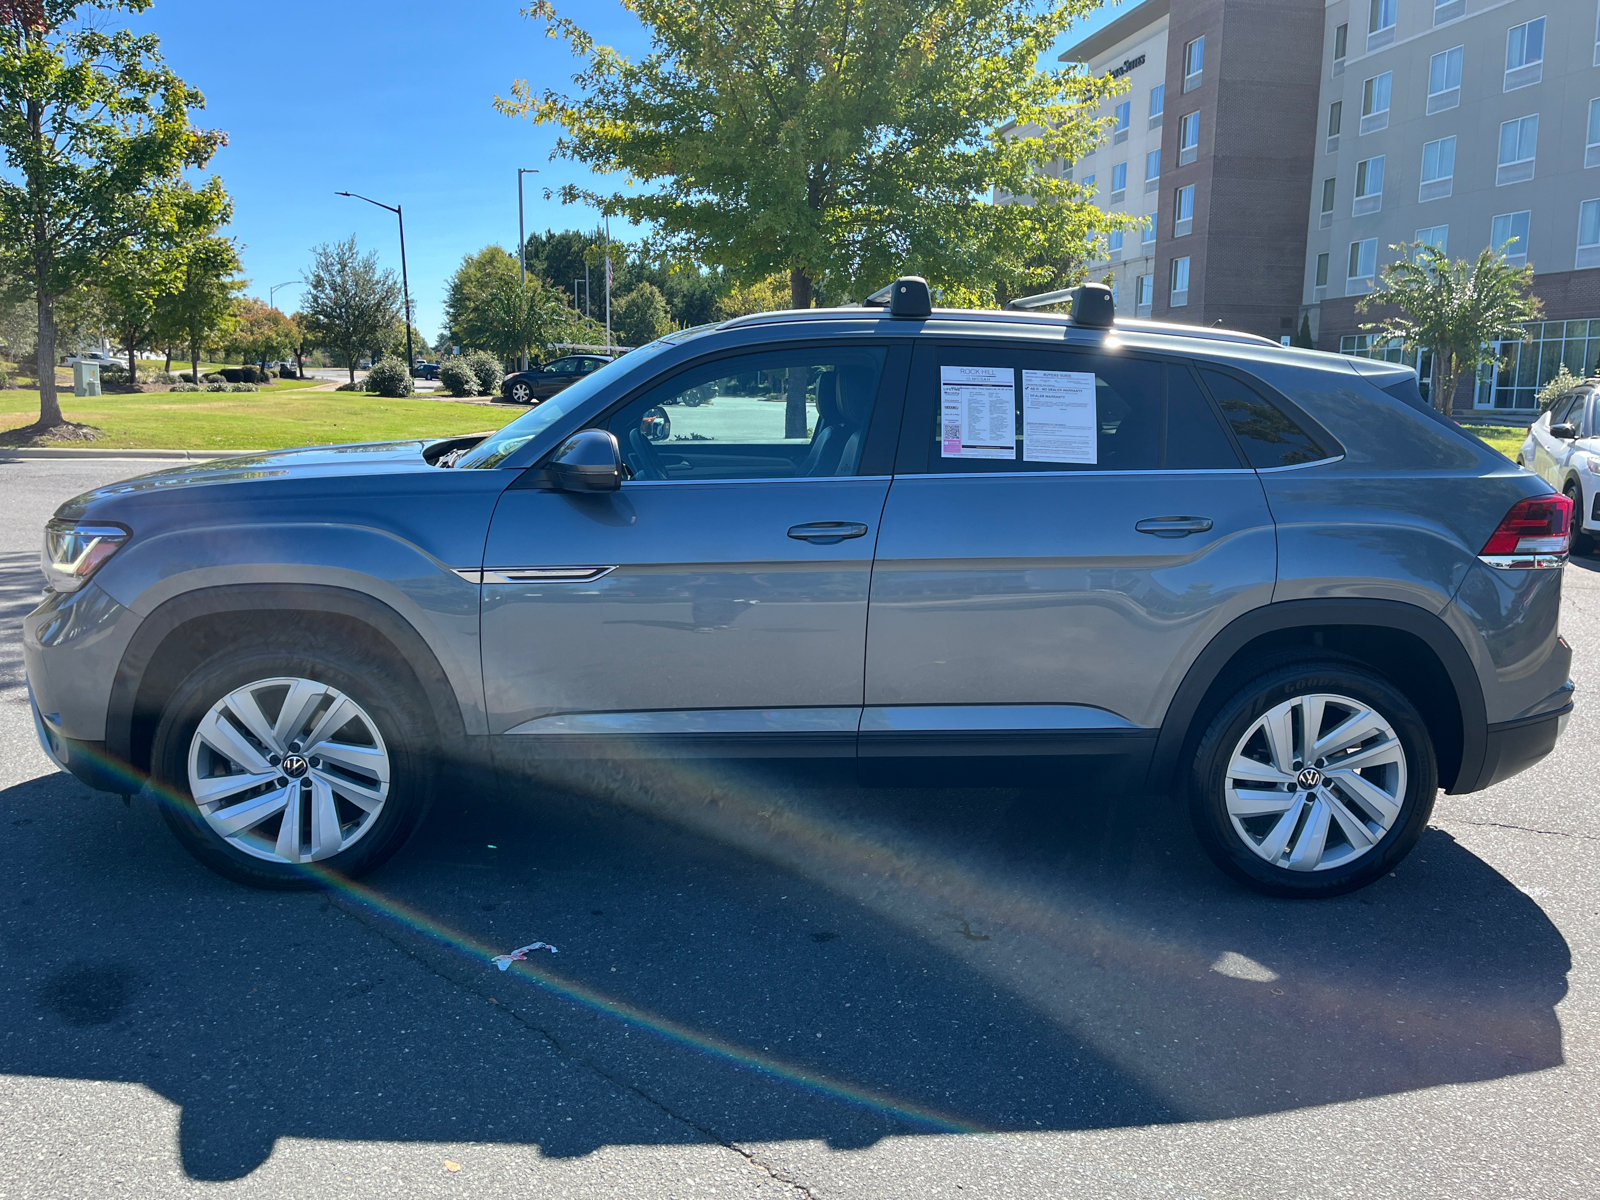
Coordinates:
(1060, 296)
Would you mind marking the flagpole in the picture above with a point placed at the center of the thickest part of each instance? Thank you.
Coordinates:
(608, 283)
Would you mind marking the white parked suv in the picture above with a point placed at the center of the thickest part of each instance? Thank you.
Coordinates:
(1563, 448)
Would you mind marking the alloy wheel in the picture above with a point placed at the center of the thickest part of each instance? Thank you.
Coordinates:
(288, 770)
(1316, 782)
(521, 393)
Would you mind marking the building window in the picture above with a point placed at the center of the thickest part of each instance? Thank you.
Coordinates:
(1322, 270)
(1180, 282)
(1325, 221)
(1119, 131)
(1532, 364)
(1087, 184)
(1363, 266)
(1519, 143)
(1447, 10)
(1144, 294)
(1183, 211)
(1375, 102)
(1114, 244)
(1438, 169)
(1341, 45)
(1335, 119)
(1588, 234)
(1508, 236)
(1591, 152)
(1119, 182)
(1597, 40)
(1188, 139)
(1524, 54)
(1152, 171)
(1369, 186)
(1444, 80)
(1158, 103)
(1194, 63)
(1381, 16)
(1437, 236)
(1147, 236)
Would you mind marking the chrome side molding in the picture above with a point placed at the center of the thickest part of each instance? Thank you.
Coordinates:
(535, 574)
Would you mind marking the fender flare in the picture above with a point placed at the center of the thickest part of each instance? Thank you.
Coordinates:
(1431, 630)
(153, 631)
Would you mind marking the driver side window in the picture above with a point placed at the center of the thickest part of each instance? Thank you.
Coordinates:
(779, 414)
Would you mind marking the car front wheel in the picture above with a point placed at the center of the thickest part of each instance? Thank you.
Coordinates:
(279, 765)
(1579, 541)
(520, 393)
(1313, 780)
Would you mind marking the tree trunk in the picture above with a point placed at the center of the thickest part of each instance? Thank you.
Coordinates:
(169, 360)
(799, 288)
(194, 359)
(49, 406)
(1446, 375)
(133, 371)
(350, 362)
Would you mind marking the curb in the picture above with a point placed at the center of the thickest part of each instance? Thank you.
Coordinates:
(69, 452)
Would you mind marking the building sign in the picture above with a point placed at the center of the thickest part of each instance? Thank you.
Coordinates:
(1128, 64)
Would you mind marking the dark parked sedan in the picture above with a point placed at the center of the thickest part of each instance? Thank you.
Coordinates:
(425, 370)
(540, 383)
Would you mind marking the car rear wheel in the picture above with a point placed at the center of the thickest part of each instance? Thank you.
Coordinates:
(281, 766)
(1313, 780)
(1580, 542)
(521, 393)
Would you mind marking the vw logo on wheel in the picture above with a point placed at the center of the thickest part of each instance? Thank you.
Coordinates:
(1308, 778)
(294, 766)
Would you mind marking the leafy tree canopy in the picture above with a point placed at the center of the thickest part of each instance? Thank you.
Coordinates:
(1459, 309)
(842, 142)
(489, 307)
(349, 302)
(260, 333)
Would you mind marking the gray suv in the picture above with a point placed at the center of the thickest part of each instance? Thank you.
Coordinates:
(1138, 556)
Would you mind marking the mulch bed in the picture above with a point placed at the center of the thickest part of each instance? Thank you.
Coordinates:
(41, 435)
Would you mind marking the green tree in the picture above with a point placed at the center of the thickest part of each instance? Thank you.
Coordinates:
(349, 301)
(149, 267)
(488, 307)
(1458, 309)
(641, 316)
(200, 309)
(91, 122)
(840, 141)
(260, 333)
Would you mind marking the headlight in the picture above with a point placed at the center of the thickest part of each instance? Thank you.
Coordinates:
(73, 552)
(1591, 461)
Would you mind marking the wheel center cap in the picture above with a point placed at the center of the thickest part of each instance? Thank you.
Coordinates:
(1308, 778)
(294, 766)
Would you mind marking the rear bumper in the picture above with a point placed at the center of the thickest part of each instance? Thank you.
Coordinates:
(1511, 747)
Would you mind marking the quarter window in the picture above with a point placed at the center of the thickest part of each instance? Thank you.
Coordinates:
(773, 415)
(1003, 410)
(1270, 437)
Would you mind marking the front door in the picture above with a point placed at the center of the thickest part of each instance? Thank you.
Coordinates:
(1065, 532)
(719, 599)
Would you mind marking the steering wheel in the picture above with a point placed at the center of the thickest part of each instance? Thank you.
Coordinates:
(642, 458)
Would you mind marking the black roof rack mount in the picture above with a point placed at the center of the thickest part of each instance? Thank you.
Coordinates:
(1092, 304)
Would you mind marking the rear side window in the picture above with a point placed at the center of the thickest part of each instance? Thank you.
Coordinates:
(1269, 437)
(994, 409)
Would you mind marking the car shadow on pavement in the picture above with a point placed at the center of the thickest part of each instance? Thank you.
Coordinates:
(745, 958)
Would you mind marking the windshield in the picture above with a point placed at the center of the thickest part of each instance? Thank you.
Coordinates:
(495, 449)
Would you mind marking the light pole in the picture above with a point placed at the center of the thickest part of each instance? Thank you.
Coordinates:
(272, 291)
(405, 286)
(608, 283)
(522, 251)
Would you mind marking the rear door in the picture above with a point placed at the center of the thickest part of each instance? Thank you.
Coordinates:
(1066, 530)
(1550, 452)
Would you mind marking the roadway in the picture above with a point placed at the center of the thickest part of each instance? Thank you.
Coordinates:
(771, 988)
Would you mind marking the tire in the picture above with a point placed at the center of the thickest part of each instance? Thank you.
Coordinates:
(1579, 542)
(1368, 816)
(353, 814)
(520, 393)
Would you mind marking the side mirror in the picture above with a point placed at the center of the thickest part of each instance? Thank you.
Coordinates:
(1565, 430)
(588, 461)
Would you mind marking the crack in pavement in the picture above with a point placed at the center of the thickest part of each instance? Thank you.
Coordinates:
(1589, 837)
(363, 917)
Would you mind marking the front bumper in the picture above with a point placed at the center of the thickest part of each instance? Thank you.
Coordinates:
(85, 760)
(72, 646)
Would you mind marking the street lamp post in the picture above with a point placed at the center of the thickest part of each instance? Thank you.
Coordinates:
(522, 251)
(272, 292)
(405, 286)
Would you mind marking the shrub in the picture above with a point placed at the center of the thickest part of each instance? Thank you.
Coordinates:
(187, 387)
(390, 378)
(214, 377)
(113, 373)
(355, 385)
(5, 379)
(218, 386)
(240, 387)
(458, 376)
(1558, 387)
(487, 369)
(163, 377)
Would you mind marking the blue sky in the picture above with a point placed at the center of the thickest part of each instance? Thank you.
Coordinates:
(392, 99)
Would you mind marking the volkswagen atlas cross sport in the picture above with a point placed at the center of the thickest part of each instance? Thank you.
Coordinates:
(1132, 553)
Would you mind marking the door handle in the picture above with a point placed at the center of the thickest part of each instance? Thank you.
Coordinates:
(827, 533)
(1172, 527)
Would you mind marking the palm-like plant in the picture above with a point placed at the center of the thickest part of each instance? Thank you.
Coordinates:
(1459, 309)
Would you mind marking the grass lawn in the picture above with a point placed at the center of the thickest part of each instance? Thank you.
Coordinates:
(1507, 439)
(282, 416)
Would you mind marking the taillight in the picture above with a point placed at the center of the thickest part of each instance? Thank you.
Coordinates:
(1533, 534)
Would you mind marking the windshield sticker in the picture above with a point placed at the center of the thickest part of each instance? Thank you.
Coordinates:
(978, 412)
(1059, 421)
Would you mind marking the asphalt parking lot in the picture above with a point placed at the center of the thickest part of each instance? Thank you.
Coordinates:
(775, 988)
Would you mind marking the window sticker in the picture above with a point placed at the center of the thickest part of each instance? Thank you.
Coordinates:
(1059, 418)
(978, 412)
